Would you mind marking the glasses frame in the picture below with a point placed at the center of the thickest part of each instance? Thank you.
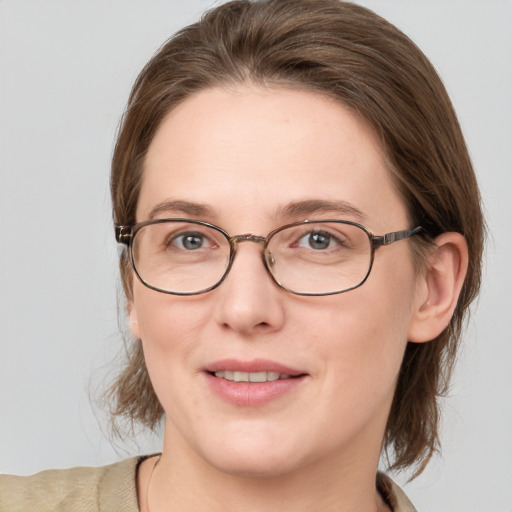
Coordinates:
(126, 234)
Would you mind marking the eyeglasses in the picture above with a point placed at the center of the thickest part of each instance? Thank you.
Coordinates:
(312, 257)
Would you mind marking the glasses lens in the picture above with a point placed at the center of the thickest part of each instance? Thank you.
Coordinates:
(320, 258)
(180, 257)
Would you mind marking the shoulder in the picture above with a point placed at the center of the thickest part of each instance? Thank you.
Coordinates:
(393, 494)
(109, 488)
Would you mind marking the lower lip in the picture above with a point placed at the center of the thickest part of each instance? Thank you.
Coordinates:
(252, 394)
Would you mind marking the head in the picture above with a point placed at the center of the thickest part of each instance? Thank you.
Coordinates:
(344, 55)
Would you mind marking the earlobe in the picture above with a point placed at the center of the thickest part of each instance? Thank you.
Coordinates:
(439, 288)
(134, 322)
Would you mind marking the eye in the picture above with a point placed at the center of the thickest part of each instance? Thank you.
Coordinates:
(318, 240)
(190, 241)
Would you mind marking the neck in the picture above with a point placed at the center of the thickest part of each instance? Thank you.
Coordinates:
(183, 482)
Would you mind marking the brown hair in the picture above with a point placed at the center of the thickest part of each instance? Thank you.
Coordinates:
(351, 54)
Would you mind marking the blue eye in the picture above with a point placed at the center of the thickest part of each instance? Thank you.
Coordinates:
(189, 241)
(318, 240)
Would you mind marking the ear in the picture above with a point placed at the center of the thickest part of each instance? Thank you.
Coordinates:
(134, 321)
(438, 288)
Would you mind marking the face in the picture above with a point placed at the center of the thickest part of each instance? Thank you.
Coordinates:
(238, 158)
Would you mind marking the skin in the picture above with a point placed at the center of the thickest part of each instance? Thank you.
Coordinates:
(247, 153)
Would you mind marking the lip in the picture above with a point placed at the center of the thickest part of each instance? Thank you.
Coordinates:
(255, 365)
(253, 394)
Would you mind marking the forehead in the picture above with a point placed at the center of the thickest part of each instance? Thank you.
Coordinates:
(254, 151)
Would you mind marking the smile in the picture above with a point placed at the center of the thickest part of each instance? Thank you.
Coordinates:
(255, 382)
(251, 376)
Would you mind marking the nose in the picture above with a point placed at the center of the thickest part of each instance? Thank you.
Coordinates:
(249, 301)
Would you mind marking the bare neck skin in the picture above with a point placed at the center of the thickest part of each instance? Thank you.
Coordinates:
(182, 482)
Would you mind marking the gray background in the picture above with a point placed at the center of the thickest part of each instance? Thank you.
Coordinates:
(65, 71)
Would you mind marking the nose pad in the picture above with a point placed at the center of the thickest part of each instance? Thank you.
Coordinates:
(269, 263)
(269, 259)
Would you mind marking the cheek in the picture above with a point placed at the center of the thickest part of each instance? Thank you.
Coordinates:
(168, 327)
(366, 343)
(161, 319)
(362, 334)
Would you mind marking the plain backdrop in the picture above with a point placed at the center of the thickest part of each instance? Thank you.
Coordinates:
(66, 68)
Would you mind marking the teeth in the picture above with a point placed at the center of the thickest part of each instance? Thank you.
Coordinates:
(251, 376)
(240, 376)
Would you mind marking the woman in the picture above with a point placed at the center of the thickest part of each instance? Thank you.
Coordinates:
(303, 237)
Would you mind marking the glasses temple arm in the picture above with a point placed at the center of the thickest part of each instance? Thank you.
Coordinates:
(395, 236)
(123, 234)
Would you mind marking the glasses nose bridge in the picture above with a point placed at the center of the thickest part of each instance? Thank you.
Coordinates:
(248, 237)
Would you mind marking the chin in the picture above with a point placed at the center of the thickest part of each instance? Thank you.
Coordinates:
(258, 467)
(252, 459)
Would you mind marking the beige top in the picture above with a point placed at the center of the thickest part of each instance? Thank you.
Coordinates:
(110, 489)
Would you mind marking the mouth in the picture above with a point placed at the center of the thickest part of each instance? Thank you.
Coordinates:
(264, 376)
(253, 383)
(256, 370)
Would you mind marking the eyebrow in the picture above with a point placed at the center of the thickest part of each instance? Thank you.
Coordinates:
(296, 209)
(310, 206)
(185, 207)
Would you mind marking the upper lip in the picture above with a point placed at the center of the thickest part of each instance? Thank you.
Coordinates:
(255, 365)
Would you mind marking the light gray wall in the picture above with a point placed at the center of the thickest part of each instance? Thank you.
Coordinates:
(65, 72)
